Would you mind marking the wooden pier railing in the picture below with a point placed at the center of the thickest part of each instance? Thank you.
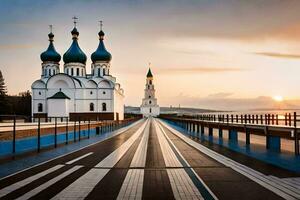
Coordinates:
(272, 126)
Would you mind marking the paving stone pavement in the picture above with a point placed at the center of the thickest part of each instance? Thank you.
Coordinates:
(149, 160)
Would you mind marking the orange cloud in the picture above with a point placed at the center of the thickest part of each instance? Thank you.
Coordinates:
(201, 69)
(278, 55)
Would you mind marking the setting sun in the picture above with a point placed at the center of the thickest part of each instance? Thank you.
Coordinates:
(278, 98)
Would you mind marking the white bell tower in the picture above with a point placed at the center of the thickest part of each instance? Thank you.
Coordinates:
(149, 105)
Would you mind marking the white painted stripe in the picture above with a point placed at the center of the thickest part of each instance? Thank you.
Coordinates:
(49, 183)
(139, 159)
(115, 156)
(85, 184)
(118, 132)
(176, 149)
(79, 158)
(242, 169)
(182, 185)
(285, 184)
(28, 180)
(168, 154)
(132, 187)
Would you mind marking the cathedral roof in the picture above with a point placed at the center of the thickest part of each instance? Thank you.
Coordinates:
(50, 54)
(101, 54)
(149, 74)
(59, 95)
(74, 53)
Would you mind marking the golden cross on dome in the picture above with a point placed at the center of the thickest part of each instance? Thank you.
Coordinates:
(75, 20)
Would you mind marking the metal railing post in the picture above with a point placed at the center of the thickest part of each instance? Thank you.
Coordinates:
(39, 135)
(14, 136)
(67, 131)
(79, 136)
(55, 132)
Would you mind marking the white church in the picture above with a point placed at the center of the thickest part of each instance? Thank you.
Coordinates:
(71, 92)
(149, 107)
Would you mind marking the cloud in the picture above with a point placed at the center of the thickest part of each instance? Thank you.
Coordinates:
(15, 46)
(220, 95)
(201, 70)
(278, 55)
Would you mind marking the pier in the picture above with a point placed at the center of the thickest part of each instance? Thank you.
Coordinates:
(146, 159)
(267, 125)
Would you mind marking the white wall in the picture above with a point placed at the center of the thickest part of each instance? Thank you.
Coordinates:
(58, 107)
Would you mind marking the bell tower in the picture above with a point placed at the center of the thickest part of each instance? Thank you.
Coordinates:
(149, 105)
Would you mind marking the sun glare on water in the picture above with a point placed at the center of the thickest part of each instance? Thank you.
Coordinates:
(278, 98)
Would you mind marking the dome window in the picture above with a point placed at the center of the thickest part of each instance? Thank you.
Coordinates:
(103, 92)
(91, 92)
(40, 93)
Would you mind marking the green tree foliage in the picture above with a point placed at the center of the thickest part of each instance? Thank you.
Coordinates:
(3, 91)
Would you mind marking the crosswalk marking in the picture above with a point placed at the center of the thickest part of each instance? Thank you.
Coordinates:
(79, 158)
(28, 180)
(132, 186)
(182, 185)
(48, 183)
(85, 184)
(254, 175)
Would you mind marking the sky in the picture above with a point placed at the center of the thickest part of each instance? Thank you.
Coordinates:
(217, 54)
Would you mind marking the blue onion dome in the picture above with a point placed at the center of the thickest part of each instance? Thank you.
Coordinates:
(50, 55)
(74, 53)
(101, 54)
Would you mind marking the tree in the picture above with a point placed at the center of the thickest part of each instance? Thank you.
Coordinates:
(2, 85)
(3, 91)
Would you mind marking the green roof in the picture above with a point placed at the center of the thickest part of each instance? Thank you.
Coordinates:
(59, 95)
(149, 74)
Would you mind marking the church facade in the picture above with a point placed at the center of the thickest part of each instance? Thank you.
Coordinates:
(149, 105)
(71, 92)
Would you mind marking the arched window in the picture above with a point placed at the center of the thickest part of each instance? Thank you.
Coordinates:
(99, 72)
(103, 71)
(72, 71)
(148, 86)
(49, 72)
(103, 106)
(149, 97)
(150, 110)
(82, 72)
(77, 71)
(91, 106)
(40, 107)
(150, 102)
(150, 82)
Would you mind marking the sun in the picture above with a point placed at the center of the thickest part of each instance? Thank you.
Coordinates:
(278, 98)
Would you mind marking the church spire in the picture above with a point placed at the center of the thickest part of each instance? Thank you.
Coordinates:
(101, 54)
(149, 74)
(50, 55)
(74, 53)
